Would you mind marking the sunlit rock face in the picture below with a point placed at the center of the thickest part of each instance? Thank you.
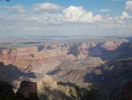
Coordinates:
(27, 57)
(113, 45)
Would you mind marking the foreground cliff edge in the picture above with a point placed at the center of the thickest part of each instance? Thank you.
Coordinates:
(109, 85)
(47, 89)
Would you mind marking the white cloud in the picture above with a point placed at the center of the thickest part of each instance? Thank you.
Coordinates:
(125, 15)
(129, 6)
(39, 25)
(108, 19)
(98, 18)
(16, 8)
(71, 20)
(105, 10)
(48, 7)
(124, 18)
(78, 14)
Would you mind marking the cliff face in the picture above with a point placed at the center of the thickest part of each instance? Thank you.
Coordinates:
(123, 51)
(44, 58)
(8, 56)
(113, 45)
(28, 57)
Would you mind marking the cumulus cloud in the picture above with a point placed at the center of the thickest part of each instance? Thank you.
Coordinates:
(108, 19)
(124, 16)
(126, 13)
(70, 20)
(46, 7)
(16, 8)
(129, 6)
(74, 13)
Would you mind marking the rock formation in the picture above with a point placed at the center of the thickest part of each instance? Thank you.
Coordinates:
(30, 58)
(27, 89)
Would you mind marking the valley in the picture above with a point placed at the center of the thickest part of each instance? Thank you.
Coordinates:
(105, 63)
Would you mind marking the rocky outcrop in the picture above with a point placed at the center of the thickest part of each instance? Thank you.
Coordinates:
(55, 91)
(7, 93)
(50, 89)
(113, 45)
(27, 89)
(123, 51)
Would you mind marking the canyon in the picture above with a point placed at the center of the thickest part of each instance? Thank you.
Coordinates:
(50, 56)
(61, 67)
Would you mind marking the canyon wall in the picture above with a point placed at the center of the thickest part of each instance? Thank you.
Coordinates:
(47, 57)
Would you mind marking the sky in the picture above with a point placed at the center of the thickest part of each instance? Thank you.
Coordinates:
(65, 17)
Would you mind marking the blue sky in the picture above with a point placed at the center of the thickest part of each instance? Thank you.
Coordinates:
(116, 6)
(65, 17)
